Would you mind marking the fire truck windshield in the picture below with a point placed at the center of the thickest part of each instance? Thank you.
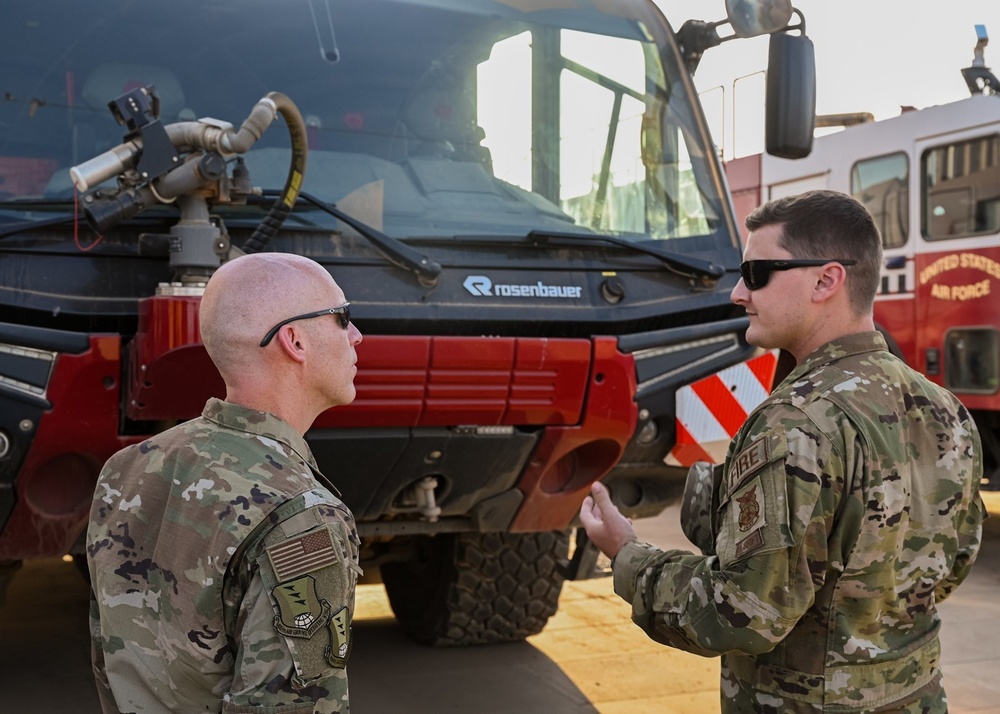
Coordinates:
(424, 118)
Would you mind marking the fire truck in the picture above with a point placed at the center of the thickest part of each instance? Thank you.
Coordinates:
(520, 199)
(931, 179)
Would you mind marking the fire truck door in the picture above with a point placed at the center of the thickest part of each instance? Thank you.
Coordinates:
(957, 264)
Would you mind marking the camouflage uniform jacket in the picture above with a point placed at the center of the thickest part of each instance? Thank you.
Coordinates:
(223, 572)
(848, 507)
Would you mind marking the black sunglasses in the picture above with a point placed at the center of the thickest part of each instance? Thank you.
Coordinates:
(756, 273)
(343, 313)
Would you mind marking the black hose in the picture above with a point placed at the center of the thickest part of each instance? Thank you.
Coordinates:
(282, 207)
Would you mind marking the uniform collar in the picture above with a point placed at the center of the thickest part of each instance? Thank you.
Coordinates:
(252, 421)
(837, 349)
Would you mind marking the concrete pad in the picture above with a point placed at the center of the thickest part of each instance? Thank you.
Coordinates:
(590, 659)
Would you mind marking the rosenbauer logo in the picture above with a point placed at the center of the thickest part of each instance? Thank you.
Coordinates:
(481, 286)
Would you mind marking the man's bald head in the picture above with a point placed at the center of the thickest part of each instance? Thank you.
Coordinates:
(247, 296)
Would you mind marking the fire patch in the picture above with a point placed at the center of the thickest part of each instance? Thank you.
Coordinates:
(749, 517)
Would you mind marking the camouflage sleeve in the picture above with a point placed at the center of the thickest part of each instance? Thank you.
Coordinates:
(775, 503)
(104, 693)
(968, 521)
(294, 627)
(970, 537)
(699, 505)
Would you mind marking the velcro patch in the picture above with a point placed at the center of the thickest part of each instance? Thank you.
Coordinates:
(749, 516)
(749, 544)
(752, 458)
(305, 554)
(340, 639)
(301, 611)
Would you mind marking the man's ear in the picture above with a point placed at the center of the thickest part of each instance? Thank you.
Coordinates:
(291, 340)
(831, 281)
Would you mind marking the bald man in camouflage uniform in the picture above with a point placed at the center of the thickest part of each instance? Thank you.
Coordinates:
(223, 562)
(847, 507)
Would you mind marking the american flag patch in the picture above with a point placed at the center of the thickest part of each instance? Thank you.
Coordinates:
(305, 554)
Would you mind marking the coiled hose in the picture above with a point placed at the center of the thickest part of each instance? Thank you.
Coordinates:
(282, 207)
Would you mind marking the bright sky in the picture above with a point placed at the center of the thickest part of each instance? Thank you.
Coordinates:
(871, 56)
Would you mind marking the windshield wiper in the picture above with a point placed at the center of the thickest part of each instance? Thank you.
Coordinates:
(685, 265)
(397, 252)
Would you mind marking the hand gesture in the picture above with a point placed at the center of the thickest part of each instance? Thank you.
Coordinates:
(606, 527)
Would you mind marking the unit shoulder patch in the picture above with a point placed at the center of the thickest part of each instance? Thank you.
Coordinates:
(310, 580)
(340, 639)
(749, 517)
(750, 513)
(301, 612)
(753, 514)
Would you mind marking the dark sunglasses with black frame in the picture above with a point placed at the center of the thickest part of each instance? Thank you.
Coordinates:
(756, 273)
(343, 313)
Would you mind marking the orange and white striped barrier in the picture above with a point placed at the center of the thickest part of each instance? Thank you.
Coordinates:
(711, 411)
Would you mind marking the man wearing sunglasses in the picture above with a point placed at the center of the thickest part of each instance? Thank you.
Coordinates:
(847, 507)
(223, 562)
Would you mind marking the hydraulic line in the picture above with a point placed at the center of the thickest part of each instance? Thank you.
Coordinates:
(282, 207)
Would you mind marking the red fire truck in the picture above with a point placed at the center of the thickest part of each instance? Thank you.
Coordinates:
(931, 179)
(520, 199)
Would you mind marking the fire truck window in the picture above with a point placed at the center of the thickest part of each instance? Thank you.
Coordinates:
(602, 96)
(615, 160)
(505, 111)
(972, 361)
(961, 189)
(881, 184)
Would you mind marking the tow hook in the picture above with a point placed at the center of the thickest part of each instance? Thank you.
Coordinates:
(421, 496)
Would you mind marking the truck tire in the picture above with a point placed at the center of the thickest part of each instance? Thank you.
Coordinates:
(477, 588)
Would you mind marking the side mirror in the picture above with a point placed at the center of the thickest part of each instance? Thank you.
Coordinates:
(790, 103)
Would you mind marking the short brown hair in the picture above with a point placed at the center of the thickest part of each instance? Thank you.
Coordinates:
(829, 224)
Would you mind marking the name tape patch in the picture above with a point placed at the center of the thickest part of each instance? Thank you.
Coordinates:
(748, 461)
